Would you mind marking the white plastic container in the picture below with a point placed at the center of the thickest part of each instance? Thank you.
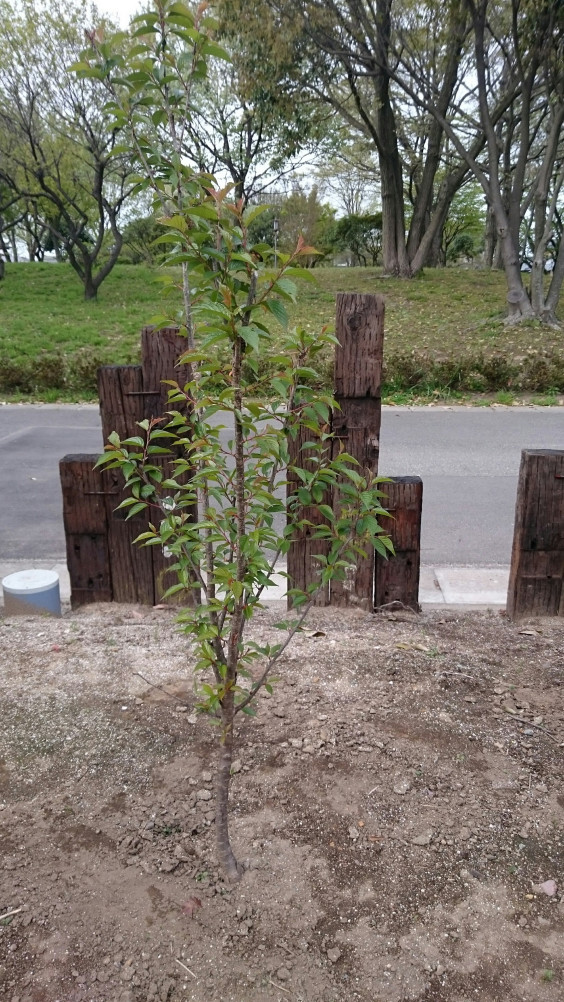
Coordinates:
(27, 593)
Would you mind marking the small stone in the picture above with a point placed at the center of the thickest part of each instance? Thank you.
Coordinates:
(169, 865)
(402, 787)
(236, 767)
(203, 795)
(181, 709)
(464, 834)
(181, 854)
(193, 718)
(424, 839)
(278, 711)
(353, 833)
(206, 777)
(548, 887)
(283, 974)
(334, 955)
(296, 742)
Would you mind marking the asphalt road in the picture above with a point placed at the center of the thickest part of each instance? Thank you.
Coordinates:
(468, 459)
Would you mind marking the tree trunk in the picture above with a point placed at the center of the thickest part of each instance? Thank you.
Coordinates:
(90, 288)
(422, 209)
(394, 250)
(490, 238)
(225, 854)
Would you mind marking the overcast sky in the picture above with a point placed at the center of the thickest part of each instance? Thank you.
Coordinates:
(119, 10)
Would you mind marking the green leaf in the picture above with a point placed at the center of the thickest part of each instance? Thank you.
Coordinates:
(250, 336)
(136, 509)
(278, 310)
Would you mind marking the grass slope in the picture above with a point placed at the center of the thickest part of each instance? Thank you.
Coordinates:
(444, 330)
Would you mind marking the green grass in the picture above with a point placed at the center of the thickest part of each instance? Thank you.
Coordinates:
(444, 336)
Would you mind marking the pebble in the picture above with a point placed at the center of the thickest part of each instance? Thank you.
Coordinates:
(334, 955)
(236, 767)
(353, 833)
(283, 974)
(402, 787)
(548, 887)
(206, 777)
(423, 839)
(204, 794)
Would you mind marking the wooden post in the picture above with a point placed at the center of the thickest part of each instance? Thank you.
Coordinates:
(397, 579)
(103, 563)
(356, 423)
(536, 580)
(120, 391)
(160, 351)
(84, 516)
(302, 568)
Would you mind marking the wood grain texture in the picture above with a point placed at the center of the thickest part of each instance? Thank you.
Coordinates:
(120, 390)
(84, 518)
(302, 566)
(397, 579)
(160, 351)
(359, 354)
(356, 421)
(536, 579)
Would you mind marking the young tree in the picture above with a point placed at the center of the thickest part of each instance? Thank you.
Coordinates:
(226, 556)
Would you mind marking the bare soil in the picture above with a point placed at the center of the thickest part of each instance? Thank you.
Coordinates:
(398, 801)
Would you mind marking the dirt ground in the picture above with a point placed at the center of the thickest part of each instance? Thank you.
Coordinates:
(398, 801)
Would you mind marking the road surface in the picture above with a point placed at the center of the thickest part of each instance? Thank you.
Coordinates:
(468, 459)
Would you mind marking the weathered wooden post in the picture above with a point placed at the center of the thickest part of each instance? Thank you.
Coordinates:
(397, 579)
(358, 375)
(356, 423)
(536, 580)
(103, 563)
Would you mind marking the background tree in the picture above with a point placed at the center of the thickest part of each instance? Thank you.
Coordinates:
(349, 174)
(463, 232)
(362, 235)
(244, 134)
(344, 54)
(303, 215)
(59, 150)
(517, 108)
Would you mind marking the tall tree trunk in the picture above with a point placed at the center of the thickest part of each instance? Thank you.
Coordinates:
(422, 209)
(490, 239)
(517, 299)
(394, 250)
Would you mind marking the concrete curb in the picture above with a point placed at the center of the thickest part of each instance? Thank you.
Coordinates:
(440, 587)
